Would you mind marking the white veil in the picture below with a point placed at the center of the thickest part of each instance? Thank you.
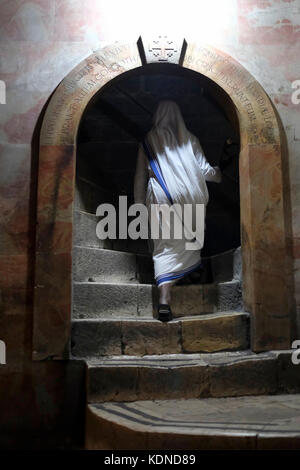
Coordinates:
(179, 155)
(169, 128)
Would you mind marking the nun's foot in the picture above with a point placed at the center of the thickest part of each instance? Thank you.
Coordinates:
(164, 313)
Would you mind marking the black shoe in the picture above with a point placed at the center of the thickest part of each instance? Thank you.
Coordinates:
(164, 313)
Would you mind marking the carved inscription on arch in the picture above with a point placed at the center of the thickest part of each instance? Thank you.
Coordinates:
(245, 92)
(75, 91)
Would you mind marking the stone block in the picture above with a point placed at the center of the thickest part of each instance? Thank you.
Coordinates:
(52, 305)
(145, 300)
(105, 300)
(288, 373)
(108, 383)
(187, 300)
(93, 338)
(150, 337)
(157, 383)
(102, 264)
(84, 231)
(215, 332)
(257, 376)
(237, 264)
(223, 296)
(222, 267)
(88, 196)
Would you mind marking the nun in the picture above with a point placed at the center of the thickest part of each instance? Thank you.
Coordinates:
(172, 170)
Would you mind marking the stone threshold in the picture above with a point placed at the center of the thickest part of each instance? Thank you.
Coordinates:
(251, 422)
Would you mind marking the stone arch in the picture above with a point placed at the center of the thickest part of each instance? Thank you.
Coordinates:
(266, 291)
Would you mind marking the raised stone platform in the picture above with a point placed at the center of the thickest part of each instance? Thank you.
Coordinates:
(257, 422)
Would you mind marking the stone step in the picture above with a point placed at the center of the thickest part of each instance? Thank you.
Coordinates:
(102, 264)
(98, 264)
(227, 266)
(205, 298)
(100, 300)
(85, 235)
(85, 231)
(224, 267)
(88, 195)
(259, 422)
(143, 336)
(107, 299)
(175, 376)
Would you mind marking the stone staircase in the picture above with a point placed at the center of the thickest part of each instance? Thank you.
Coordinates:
(138, 369)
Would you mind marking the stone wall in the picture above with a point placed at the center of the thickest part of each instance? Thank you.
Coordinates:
(41, 41)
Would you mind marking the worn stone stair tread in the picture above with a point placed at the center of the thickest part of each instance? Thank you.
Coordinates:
(262, 422)
(102, 264)
(207, 316)
(185, 318)
(115, 281)
(110, 282)
(111, 251)
(105, 250)
(184, 287)
(183, 359)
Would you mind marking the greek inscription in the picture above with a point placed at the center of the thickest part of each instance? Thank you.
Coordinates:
(265, 111)
(115, 51)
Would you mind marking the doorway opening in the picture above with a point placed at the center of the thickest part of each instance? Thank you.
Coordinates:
(114, 123)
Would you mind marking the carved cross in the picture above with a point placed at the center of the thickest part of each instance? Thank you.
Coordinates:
(162, 48)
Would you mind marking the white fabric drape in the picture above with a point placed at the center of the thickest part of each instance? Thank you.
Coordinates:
(185, 171)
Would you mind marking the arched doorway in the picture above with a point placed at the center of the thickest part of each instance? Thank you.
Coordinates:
(266, 270)
(117, 119)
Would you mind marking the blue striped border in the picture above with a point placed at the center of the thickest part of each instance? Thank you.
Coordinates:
(176, 275)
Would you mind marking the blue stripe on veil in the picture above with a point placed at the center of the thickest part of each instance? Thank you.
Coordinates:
(155, 168)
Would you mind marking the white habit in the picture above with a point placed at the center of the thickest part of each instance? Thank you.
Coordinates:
(183, 171)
